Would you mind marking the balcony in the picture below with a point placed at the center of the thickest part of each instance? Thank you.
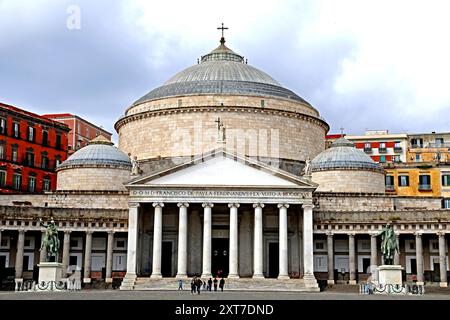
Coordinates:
(398, 149)
(424, 187)
(390, 187)
(382, 150)
(416, 146)
(368, 150)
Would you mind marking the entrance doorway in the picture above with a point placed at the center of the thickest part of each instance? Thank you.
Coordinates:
(220, 256)
(166, 259)
(273, 259)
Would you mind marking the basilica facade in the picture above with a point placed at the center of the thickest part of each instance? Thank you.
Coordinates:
(222, 171)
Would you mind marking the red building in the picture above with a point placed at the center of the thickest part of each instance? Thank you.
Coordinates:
(31, 146)
(81, 130)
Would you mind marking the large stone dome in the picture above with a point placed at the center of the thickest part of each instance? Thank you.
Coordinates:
(98, 166)
(260, 118)
(344, 168)
(222, 71)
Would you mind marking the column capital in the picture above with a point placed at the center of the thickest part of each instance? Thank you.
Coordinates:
(158, 204)
(351, 234)
(283, 205)
(133, 205)
(235, 205)
(67, 231)
(258, 205)
(89, 232)
(418, 233)
(440, 234)
(111, 232)
(207, 205)
(307, 206)
(183, 204)
(330, 234)
(374, 234)
(22, 230)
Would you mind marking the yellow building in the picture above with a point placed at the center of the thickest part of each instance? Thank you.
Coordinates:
(429, 147)
(421, 179)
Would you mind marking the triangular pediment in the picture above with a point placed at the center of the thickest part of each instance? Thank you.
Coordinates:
(222, 169)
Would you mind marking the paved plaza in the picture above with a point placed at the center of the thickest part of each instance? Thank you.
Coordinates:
(435, 294)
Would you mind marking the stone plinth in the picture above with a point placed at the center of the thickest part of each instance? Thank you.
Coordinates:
(390, 274)
(50, 271)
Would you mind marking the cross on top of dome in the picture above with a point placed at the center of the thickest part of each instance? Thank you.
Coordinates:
(222, 40)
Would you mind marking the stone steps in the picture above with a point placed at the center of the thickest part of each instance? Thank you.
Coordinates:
(242, 284)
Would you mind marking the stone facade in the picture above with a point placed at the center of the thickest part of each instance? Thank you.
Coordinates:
(97, 178)
(349, 181)
(249, 131)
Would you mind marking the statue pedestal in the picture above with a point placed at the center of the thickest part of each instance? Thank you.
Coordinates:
(390, 274)
(49, 276)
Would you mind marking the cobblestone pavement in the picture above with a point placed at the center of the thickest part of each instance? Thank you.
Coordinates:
(231, 295)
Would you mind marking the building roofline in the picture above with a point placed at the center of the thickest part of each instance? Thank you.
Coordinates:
(34, 116)
(69, 115)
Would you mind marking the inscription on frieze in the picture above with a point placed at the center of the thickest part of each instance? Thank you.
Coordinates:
(218, 193)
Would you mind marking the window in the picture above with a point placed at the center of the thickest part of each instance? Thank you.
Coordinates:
(3, 126)
(31, 134)
(31, 184)
(44, 138)
(16, 130)
(180, 103)
(74, 262)
(403, 181)
(417, 157)
(382, 159)
(29, 243)
(446, 180)
(87, 132)
(320, 263)
(120, 243)
(446, 203)
(382, 146)
(28, 261)
(439, 142)
(2, 150)
(57, 160)
(17, 180)
(119, 262)
(396, 159)
(97, 261)
(29, 159)
(417, 143)
(424, 182)
(15, 153)
(410, 245)
(58, 141)
(434, 245)
(397, 145)
(98, 243)
(44, 161)
(367, 147)
(389, 180)
(320, 245)
(4, 259)
(78, 128)
(76, 243)
(46, 184)
(2, 178)
(341, 245)
(364, 264)
(263, 103)
(4, 243)
(363, 245)
(341, 263)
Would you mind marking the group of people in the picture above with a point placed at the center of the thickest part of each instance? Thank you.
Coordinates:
(197, 283)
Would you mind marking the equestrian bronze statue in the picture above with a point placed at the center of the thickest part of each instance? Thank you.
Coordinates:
(389, 244)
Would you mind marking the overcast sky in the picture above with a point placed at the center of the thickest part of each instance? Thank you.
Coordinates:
(362, 64)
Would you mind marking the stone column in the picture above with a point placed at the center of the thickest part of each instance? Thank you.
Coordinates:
(283, 241)
(42, 251)
(66, 252)
(442, 260)
(133, 219)
(258, 242)
(207, 221)
(373, 257)
(308, 249)
(87, 257)
(397, 253)
(182, 240)
(419, 258)
(330, 258)
(233, 267)
(19, 254)
(157, 241)
(352, 258)
(109, 257)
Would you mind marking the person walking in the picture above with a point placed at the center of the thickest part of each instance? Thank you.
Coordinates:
(180, 284)
(193, 285)
(215, 284)
(199, 285)
(209, 284)
(221, 284)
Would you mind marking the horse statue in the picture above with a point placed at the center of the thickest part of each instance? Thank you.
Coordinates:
(388, 244)
(50, 241)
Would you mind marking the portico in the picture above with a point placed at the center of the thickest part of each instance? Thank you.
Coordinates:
(221, 215)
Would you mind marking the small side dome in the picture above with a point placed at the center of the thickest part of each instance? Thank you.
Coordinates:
(97, 166)
(344, 168)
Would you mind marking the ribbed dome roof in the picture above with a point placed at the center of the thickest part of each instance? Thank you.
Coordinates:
(222, 71)
(100, 151)
(342, 154)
